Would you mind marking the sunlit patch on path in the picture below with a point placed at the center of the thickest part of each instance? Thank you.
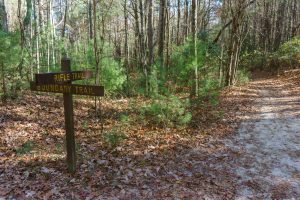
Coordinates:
(268, 164)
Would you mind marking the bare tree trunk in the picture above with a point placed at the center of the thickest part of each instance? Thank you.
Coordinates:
(126, 49)
(31, 45)
(137, 53)
(186, 19)
(48, 35)
(96, 50)
(279, 25)
(37, 34)
(90, 20)
(161, 31)
(22, 39)
(150, 34)
(194, 88)
(65, 19)
(235, 43)
(168, 37)
(178, 22)
(52, 33)
(3, 17)
(3, 82)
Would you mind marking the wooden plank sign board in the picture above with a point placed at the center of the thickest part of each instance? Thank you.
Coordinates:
(62, 83)
(61, 77)
(69, 89)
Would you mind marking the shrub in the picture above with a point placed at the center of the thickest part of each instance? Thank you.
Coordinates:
(243, 77)
(26, 148)
(254, 60)
(114, 138)
(167, 111)
(289, 54)
(209, 89)
(10, 60)
(113, 75)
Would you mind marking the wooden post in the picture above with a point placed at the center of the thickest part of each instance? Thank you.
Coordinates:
(69, 121)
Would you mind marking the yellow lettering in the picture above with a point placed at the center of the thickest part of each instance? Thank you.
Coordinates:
(68, 77)
(62, 77)
(91, 90)
(69, 89)
(85, 90)
(78, 76)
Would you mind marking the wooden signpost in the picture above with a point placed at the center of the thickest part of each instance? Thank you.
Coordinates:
(61, 82)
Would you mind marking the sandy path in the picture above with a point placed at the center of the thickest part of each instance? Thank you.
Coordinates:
(268, 145)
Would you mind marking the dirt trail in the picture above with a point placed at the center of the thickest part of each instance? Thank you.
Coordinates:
(268, 146)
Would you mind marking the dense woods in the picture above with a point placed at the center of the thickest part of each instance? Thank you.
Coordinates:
(145, 46)
(165, 99)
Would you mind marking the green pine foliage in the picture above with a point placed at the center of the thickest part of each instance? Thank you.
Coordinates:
(167, 111)
(289, 54)
(10, 55)
(114, 138)
(113, 75)
(286, 57)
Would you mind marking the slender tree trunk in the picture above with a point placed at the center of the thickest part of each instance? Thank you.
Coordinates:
(90, 20)
(126, 51)
(22, 40)
(150, 34)
(96, 50)
(168, 37)
(37, 34)
(65, 19)
(137, 51)
(3, 17)
(3, 82)
(178, 22)
(186, 19)
(52, 33)
(48, 35)
(161, 31)
(194, 88)
(279, 25)
(31, 43)
(142, 37)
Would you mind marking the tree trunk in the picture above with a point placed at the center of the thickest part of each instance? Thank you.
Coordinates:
(37, 33)
(137, 53)
(279, 25)
(96, 50)
(22, 40)
(3, 82)
(126, 49)
(194, 88)
(3, 17)
(65, 20)
(161, 31)
(178, 22)
(90, 20)
(150, 34)
(186, 19)
(142, 38)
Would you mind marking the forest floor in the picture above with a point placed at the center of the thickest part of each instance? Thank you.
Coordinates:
(244, 148)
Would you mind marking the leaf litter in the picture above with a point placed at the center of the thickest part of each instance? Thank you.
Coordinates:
(204, 161)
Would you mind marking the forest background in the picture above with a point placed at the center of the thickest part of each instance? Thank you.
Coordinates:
(175, 52)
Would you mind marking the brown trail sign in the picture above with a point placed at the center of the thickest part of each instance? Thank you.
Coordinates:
(61, 83)
(69, 89)
(61, 77)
